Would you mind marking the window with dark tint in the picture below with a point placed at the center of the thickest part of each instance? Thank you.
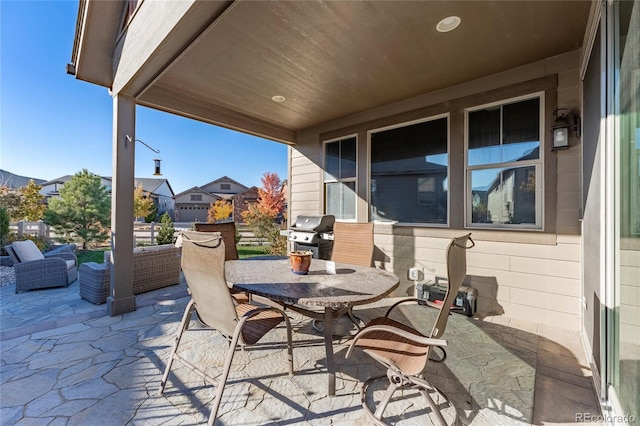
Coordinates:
(409, 173)
(340, 178)
(503, 164)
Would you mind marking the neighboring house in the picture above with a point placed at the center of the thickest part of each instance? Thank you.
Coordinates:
(224, 187)
(159, 190)
(242, 201)
(193, 204)
(52, 188)
(481, 93)
(16, 181)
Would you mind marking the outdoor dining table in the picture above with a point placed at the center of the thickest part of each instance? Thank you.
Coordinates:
(335, 289)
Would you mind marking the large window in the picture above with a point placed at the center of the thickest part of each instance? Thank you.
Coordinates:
(340, 178)
(504, 165)
(409, 173)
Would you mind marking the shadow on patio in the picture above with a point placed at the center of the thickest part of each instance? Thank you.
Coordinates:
(64, 359)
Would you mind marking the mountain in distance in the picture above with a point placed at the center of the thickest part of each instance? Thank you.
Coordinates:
(16, 181)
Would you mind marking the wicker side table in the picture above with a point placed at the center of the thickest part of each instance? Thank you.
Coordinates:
(94, 282)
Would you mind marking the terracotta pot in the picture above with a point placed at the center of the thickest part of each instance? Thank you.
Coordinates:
(300, 261)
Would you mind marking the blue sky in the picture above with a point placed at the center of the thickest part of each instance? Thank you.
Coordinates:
(53, 125)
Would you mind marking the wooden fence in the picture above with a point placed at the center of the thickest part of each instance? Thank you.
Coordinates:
(144, 233)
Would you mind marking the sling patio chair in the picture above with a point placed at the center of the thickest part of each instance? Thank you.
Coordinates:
(228, 232)
(353, 244)
(244, 324)
(403, 350)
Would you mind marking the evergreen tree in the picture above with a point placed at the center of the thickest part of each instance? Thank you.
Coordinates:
(4, 226)
(10, 200)
(32, 207)
(167, 231)
(153, 215)
(82, 211)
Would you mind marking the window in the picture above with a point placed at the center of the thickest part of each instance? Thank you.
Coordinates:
(195, 197)
(409, 173)
(504, 165)
(340, 178)
(225, 186)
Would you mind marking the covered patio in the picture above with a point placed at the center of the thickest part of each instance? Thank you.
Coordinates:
(77, 365)
(507, 119)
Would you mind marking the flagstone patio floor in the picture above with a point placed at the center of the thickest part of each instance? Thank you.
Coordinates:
(64, 361)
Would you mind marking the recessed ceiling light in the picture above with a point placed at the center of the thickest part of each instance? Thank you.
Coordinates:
(449, 23)
(278, 98)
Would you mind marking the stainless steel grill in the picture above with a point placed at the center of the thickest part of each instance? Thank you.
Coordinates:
(314, 233)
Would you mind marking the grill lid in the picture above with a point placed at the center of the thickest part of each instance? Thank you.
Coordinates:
(314, 223)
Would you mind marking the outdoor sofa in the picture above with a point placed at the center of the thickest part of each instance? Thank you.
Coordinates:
(153, 268)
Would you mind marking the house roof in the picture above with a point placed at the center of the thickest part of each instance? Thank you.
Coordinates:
(224, 179)
(148, 184)
(195, 189)
(152, 184)
(222, 62)
(14, 181)
(252, 189)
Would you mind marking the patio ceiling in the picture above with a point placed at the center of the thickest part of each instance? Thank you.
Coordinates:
(222, 62)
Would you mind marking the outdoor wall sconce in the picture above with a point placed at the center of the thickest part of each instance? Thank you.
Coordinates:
(565, 119)
(156, 161)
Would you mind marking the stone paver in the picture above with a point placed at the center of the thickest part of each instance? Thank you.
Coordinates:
(78, 366)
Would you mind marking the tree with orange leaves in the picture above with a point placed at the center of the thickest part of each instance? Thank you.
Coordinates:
(264, 217)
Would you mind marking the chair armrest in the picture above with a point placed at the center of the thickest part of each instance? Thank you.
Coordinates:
(412, 300)
(401, 302)
(63, 255)
(421, 340)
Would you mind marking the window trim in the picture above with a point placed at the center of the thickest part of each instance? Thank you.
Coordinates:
(325, 180)
(447, 116)
(539, 165)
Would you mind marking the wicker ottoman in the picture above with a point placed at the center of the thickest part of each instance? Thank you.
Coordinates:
(94, 282)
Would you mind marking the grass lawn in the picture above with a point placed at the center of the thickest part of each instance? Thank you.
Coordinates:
(98, 255)
(90, 256)
(248, 251)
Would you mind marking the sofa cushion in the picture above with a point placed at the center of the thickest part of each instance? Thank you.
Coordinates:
(27, 251)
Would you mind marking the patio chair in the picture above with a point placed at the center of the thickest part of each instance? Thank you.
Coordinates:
(403, 350)
(35, 270)
(244, 324)
(228, 232)
(352, 243)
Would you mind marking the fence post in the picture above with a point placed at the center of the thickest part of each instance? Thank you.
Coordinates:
(20, 228)
(153, 227)
(42, 229)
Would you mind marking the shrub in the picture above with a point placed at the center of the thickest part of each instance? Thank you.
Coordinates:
(43, 243)
(167, 231)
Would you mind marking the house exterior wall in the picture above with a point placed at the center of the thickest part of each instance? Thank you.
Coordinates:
(242, 201)
(528, 275)
(165, 201)
(187, 210)
(218, 187)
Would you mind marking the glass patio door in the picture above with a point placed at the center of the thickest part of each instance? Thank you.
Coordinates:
(624, 322)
